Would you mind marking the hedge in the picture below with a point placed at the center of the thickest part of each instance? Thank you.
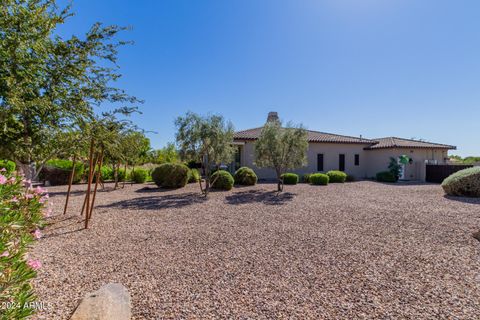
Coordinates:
(8, 165)
(463, 183)
(306, 178)
(139, 175)
(222, 180)
(386, 176)
(170, 175)
(290, 178)
(336, 176)
(57, 171)
(319, 179)
(245, 176)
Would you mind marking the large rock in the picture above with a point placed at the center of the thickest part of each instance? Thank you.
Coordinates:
(110, 302)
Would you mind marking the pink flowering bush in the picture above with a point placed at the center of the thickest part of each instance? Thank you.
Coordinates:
(21, 217)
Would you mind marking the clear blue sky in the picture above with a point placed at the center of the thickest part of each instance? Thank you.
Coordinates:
(405, 68)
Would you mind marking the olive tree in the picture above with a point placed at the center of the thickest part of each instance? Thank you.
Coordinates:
(281, 148)
(205, 139)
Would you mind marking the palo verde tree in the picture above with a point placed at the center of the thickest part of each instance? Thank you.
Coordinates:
(281, 148)
(166, 154)
(207, 140)
(49, 84)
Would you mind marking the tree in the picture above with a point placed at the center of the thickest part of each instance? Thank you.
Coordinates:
(207, 140)
(166, 154)
(281, 148)
(48, 84)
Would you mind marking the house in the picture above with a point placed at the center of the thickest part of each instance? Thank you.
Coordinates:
(357, 156)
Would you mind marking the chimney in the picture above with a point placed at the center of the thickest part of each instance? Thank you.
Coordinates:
(272, 116)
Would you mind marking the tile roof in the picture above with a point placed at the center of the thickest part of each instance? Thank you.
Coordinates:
(381, 143)
(313, 136)
(394, 142)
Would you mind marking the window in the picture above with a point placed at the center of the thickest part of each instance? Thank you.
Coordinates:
(341, 162)
(357, 159)
(320, 162)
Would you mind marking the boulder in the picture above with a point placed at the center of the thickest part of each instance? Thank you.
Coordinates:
(110, 302)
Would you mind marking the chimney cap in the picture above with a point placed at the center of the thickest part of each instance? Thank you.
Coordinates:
(272, 116)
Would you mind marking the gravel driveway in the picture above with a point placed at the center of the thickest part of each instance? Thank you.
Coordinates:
(360, 250)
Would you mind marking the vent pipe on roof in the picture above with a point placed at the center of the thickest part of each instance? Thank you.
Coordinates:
(272, 116)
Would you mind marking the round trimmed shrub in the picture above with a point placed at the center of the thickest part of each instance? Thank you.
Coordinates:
(222, 180)
(336, 176)
(386, 176)
(139, 175)
(170, 175)
(289, 178)
(193, 175)
(10, 166)
(245, 176)
(463, 183)
(306, 178)
(319, 179)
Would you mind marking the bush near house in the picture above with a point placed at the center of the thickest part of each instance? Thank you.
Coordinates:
(8, 165)
(463, 183)
(289, 178)
(22, 214)
(336, 176)
(222, 180)
(245, 176)
(306, 178)
(319, 179)
(193, 175)
(350, 178)
(170, 175)
(139, 175)
(386, 176)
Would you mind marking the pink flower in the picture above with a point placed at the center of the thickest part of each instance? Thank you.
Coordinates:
(3, 179)
(29, 196)
(12, 180)
(44, 199)
(14, 199)
(40, 190)
(37, 234)
(5, 254)
(3, 170)
(34, 264)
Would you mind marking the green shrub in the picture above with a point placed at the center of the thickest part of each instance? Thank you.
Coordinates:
(222, 180)
(245, 176)
(56, 177)
(21, 218)
(139, 175)
(107, 173)
(306, 178)
(386, 176)
(463, 183)
(193, 175)
(336, 176)
(122, 175)
(290, 178)
(320, 179)
(10, 166)
(170, 175)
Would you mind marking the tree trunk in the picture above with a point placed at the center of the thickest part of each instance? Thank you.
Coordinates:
(89, 185)
(97, 181)
(125, 178)
(115, 175)
(28, 170)
(70, 183)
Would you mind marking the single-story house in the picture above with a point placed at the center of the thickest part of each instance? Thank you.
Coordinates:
(357, 156)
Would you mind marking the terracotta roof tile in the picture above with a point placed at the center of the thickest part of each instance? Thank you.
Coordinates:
(394, 142)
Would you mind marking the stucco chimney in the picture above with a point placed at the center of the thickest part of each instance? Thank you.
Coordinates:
(272, 116)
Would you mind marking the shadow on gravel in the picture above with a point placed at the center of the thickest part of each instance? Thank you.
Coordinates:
(265, 197)
(158, 202)
(64, 193)
(154, 189)
(463, 199)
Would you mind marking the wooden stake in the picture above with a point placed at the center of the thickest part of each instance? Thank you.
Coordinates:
(97, 180)
(89, 185)
(70, 183)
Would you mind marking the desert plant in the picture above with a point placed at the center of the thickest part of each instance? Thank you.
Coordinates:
(193, 175)
(289, 178)
(222, 180)
(463, 183)
(139, 175)
(170, 175)
(336, 176)
(245, 176)
(386, 176)
(319, 179)
(306, 178)
(8, 165)
(22, 217)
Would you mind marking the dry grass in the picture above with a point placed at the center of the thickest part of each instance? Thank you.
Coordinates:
(347, 251)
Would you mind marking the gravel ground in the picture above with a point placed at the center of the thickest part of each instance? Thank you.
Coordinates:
(359, 250)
